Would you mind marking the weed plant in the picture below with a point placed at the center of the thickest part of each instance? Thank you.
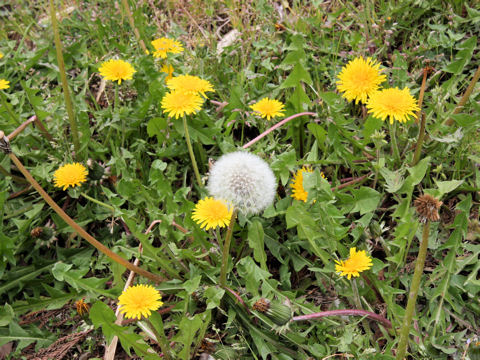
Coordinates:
(352, 230)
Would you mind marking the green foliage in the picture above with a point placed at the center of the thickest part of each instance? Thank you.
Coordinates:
(139, 166)
(102, 316)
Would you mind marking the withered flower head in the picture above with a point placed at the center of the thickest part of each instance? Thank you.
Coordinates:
(280, 314)
(207, 346)
(427, 207)
(36, 232)
(82, 307)
(262, 305)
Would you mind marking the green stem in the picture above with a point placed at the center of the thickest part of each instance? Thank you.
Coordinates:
(356, 295)
(18, 212)
(161, 339)
(219, 238)
(366, 15)
(242, 134)
(358, 304)
(393, 137)
(37, 120)
(109, 207)
(63, 77)
(421, 137)
(465, 96)
(6, 106)
(132, 24)
(412, 297)
(190, 151)
(225, 250)
(376, 169)
(301, 135)
(4, 172)
(116, 109)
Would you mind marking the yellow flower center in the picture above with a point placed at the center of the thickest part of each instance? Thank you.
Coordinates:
(210, 213)
(357, 262)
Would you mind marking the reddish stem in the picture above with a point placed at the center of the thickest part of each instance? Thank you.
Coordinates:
(344, 312)
(354, 181)
(240, 300)
(22, 127)
(276, 126)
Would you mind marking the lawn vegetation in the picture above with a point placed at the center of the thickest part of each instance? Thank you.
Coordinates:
(234, 179)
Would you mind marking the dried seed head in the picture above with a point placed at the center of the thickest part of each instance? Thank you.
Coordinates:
(280, 314)
(82, 307)
(207, 346)
(4, 143)
(262, 305)
(36, 232)
(427, 208)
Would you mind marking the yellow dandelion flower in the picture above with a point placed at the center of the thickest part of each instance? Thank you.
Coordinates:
(190, 84)
(70, 175)
(268, 108)
(359, 79)
(4, 84)
(117, 70)
(139, 300)
(177, 103)
(357, 262)
(299, 192)
(167, 69)
(210, 213)
(1, 55)
(393, 103)
(164, 45)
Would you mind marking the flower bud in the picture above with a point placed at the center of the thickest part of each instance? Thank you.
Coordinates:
(280, 314)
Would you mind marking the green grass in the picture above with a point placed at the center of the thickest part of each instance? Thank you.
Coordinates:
(139, 164)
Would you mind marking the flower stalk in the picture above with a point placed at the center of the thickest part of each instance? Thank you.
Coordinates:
(22, 126)
(190, 151)
(421, 137)
(465, 96)
(7, 107)
(393, 137)
(98, 202)
(422, 91)
(276, 126)
(116, 109)
(4, 145)
(344, 312)
(412, 297)
(132, 25)
(226, 249)
(160, 337)
(358, 303)
(63, 77)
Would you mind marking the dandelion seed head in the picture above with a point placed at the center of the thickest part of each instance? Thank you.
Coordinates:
(244, 180)
(427, 208)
